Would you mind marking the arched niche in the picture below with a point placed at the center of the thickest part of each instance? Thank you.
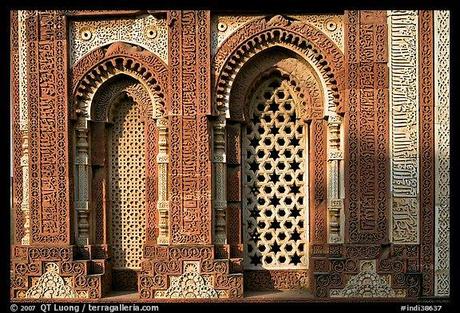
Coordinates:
(120, 136)
(316, 94)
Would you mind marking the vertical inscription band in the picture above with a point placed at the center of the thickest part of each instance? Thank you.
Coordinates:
(404, 134)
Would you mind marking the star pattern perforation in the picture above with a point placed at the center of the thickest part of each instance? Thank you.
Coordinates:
(274, 182)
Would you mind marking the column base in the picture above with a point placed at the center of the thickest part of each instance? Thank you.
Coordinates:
(365, 271)
(61, 272)
(188, 271)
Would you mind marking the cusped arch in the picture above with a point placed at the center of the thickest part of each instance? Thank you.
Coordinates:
(315, 47)
(116, 88)
(104, 63)
(301, 77)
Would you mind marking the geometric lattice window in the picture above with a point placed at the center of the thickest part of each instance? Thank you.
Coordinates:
(127, 180)
(274, 149)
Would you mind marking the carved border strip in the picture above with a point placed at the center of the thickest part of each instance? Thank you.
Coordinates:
(24, 124)
(404, 121)
(367, 173)
(442, 146)
(426, 150)
(16, 132)
(174, 110)
(190, 180)
(49, 158)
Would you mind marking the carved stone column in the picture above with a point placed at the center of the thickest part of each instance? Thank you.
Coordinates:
(81, 179)
(220, 182)
(335, 206)
(162, 161)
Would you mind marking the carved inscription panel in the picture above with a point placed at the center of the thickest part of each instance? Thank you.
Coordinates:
(403, 65)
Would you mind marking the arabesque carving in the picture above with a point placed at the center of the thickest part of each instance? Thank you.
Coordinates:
(190, 284)
(442, 159)
(146, 31)
(367, 284)
(51, 285)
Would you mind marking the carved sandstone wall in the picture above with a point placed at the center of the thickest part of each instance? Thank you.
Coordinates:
(188, 154)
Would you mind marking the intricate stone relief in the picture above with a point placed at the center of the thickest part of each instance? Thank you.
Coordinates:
(48, 143)
(162, 161)
(220, 179)
(24, 122)
(51, 285)
(404, 121)
(190, 102)
(274, 158)
(442, 146)
(331, 25)
(122, 70)
(261, 34)
(335, 188)
(368, 284)
(146, 31)
(82, 184)
(223, 26)
(190, 284)
(17, 134)
(249, 42)
(189, 76)
(366, 173)
(107, 62)
(166, 264)
(427, 150)
(23, 63)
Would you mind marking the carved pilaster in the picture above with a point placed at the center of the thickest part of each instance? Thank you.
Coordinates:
(81, 178)
(335, 155)
(162, 161)
(220, 181)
